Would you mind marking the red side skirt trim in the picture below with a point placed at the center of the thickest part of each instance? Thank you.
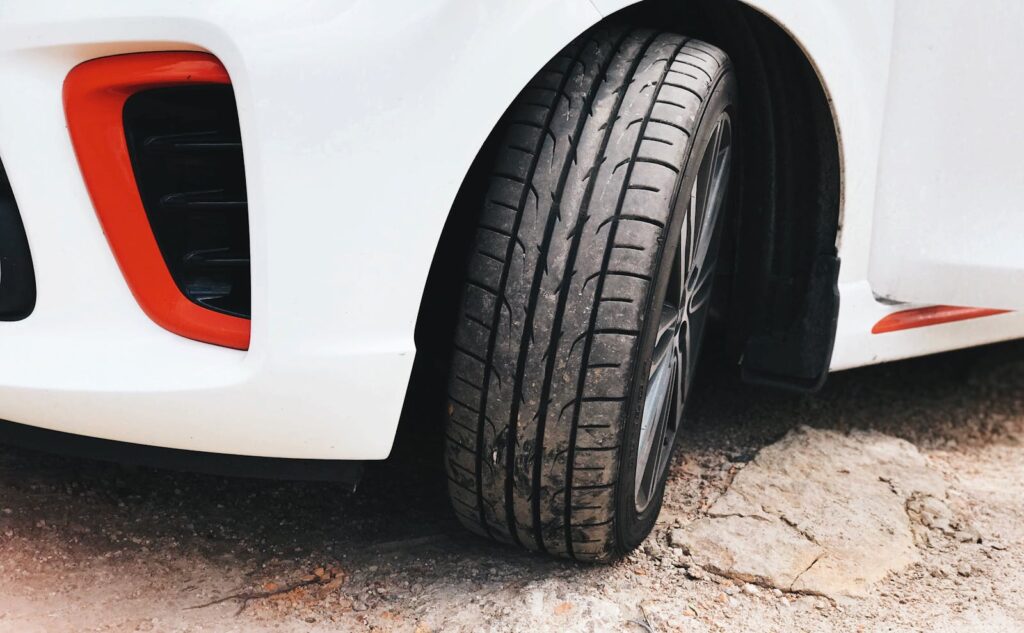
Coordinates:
(932, 315)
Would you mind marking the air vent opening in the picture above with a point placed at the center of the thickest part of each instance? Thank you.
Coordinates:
(186, 152)
(17, 276)
(173, 212)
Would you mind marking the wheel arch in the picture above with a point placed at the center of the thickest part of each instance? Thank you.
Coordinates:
(783, 301)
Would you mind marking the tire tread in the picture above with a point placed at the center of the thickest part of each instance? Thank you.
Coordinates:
(557, 289)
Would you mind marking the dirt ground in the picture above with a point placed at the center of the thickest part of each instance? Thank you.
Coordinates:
(91, 546)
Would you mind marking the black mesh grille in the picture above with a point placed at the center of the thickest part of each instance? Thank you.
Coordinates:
(17, 279)
(186, 151)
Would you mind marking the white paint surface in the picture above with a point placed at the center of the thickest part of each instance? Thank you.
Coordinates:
(360, 119)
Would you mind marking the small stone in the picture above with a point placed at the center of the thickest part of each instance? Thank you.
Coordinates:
(730, 591)
(721, 597)
(968, 535)
(677, 539)
(563, 608)
(784, 601)
(652, 549)
(692, 468)
(934, 513)
(358, 605)
(750, 589)
(777, 592)
(964, 569)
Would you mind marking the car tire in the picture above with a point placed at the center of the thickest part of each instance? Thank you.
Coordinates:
(590, 234)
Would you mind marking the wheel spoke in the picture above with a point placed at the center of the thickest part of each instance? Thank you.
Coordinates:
(682, 370)
(687, 237)
(705, 175)
(681, 321)
(667, 324)
(657, 449)
(698, 280)
(717, 160)
(664, 368)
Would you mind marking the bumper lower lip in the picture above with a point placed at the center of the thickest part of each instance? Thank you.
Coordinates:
(69, 444)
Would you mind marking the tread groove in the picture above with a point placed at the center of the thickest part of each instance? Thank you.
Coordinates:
(554, 216)
(605, 265)
(493, 339)
(560, 308)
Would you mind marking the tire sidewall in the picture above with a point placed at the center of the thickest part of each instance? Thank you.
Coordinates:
(632, 527)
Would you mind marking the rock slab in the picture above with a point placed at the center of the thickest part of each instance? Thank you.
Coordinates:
(818, 512)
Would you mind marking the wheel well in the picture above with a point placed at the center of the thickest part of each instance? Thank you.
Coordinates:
(778, 296)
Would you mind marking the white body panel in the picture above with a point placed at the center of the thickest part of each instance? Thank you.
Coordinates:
(856, 346)
(330, 95)
(950, 203)
(932, 174)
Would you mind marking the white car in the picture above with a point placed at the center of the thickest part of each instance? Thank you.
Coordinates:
(530, 199)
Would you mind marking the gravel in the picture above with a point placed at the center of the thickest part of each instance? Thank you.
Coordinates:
(92, 546)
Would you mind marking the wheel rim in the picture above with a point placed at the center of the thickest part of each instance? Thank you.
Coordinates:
(681, 321)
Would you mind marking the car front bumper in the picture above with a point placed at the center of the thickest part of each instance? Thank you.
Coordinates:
(358, 124)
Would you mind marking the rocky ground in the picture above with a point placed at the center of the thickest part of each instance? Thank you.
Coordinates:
(891, 501)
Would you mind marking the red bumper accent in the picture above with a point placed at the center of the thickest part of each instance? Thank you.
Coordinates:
(932, 315)
(94, 96)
